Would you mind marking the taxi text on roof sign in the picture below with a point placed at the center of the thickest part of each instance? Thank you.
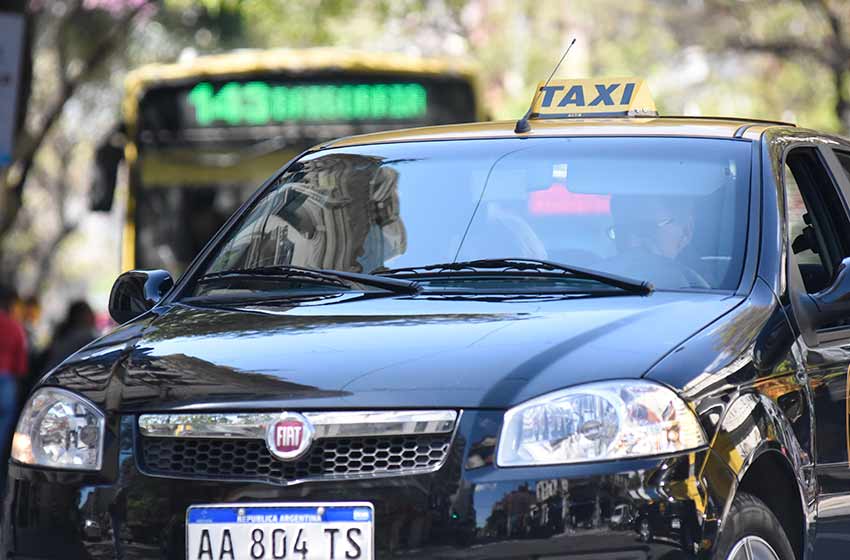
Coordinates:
(607, 97)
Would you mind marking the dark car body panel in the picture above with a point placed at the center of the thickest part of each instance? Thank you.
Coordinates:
(461, 511)
(351, 353)
(771, 397)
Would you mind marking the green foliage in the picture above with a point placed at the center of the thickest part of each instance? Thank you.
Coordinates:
(293, 24)
(776, 59)
(699, 57)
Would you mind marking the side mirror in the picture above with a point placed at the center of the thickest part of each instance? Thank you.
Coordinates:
(833, 302)
(137, 291)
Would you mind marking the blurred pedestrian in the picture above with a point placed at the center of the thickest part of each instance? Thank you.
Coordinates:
(28, 314)
(13, 366)
(75, 331)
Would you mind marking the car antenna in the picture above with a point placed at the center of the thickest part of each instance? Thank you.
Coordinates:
(523, 125)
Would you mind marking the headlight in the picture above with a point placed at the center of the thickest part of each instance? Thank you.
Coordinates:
(61, 430)
(598, 422)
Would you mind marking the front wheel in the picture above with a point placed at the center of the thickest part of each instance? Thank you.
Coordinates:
(752, 532)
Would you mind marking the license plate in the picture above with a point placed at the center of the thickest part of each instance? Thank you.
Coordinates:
(306, 531)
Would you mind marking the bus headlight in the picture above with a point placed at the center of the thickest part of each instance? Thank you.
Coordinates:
(61, 430)
(598, 422)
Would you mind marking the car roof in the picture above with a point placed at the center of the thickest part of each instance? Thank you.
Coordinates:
(708, 127)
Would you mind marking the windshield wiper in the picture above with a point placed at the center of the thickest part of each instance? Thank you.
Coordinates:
(508, 265)
(336, 278)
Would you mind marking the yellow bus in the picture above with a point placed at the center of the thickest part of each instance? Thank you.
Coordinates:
(198, 137)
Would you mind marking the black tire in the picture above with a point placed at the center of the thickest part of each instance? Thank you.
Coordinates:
(749, 516)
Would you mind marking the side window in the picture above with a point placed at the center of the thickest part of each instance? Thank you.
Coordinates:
(819, 229)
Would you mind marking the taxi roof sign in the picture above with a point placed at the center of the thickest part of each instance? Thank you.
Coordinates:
(606, 97)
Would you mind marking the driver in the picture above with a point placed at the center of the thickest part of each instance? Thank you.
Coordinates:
(659, 225)
(651, 232)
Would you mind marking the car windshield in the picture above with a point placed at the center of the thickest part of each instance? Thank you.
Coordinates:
(671, 211)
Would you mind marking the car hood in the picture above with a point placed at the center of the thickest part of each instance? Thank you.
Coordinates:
(389, 352)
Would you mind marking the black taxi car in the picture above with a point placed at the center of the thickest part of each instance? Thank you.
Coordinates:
(601, 334)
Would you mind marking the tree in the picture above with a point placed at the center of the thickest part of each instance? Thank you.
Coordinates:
(804, 47)
(80, 51)
(67, 29)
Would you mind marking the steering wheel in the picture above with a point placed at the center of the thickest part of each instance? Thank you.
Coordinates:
(668, 273)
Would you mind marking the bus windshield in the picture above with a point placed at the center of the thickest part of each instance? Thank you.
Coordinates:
(206, 133)
(670, 211)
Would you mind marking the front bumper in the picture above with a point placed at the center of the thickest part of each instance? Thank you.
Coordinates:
(469, 508)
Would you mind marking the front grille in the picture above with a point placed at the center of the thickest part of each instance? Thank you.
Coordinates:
(329, 458)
